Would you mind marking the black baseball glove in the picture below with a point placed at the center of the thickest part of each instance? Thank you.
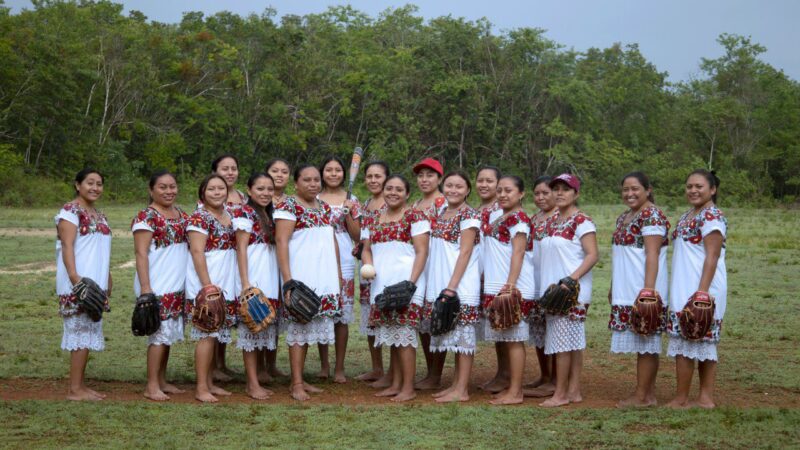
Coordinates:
(396, 296)
(146, 318)
(445, 313)
(300, 301)
(91, 298)
(559, 298)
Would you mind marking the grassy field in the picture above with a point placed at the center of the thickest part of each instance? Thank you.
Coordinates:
(758, 378)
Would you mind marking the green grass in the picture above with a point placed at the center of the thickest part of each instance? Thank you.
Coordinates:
(758, 354)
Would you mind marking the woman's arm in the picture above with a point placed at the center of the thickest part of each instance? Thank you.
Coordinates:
(652, 250)
(466, 245)
(366, 253)
(242, 241)
(67, 233)
(518, 244)
(589, 244)
(283, 233)
(353, 225)
(197, 248)
(141, 248)
(420, 243)
(713, 246)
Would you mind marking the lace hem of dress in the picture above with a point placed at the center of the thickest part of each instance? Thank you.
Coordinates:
(518, 333)
(347, 316)
(630, 342)
(564, 335)
(461, 340)
(318, 331)
(80, 332)
(364, 327)
(223, 336)
(699, 350)
(396, 336)
(249, 341)
(170, 332)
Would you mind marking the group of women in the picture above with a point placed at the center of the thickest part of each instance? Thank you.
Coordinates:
(264, 238)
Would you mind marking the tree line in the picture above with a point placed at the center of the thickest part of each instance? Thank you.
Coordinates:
(81, 84)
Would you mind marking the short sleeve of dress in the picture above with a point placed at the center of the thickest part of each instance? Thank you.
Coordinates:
(284, 211)
(521, 227)
(142, 221)
(242, 218)
(710, 226)
(67, 214)
(470, 219)
(198, 223)
(585, 228)
(654, 230)
(420, 226)
(655, 223)
(364, 234)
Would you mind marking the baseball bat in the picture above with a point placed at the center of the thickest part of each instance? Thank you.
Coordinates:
(355, 164)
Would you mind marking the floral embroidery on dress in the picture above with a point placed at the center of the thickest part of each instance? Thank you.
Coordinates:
(172, 304)
(500, 229)
(349, 287)
(674, 328)
(257, 235)
(68, 305)
(468, 315)
(620, 317)
(539, 224)
(331, 306)
(166, 231)
(450, 229)
(526, 306)
(339, 218)
(690, 228)
(219, 236)
(86, 223)
(567, 228)
(409, 316)
(397, 230)
(631, 233)
(307, 217)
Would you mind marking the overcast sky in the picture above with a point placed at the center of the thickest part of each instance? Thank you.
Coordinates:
(673, 34)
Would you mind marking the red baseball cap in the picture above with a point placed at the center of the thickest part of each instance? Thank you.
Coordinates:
(569, 179)
(429, 163)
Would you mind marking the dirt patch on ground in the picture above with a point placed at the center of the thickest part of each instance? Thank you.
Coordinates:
(49, 232)
(43, 267)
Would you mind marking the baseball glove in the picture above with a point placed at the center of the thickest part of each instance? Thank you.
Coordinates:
(445, 313)
(209, 310)
(559, 298)
(255, 310)
(505, 311)
(300, 301)
(91, 298)
(697, 316)
(647, 314)
(396, 296)
(146, 318)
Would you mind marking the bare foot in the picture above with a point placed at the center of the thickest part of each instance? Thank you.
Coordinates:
(298, 393)
(206, 397)
(554, 402)
(264, 377)
(443, 393)
(538, 392)
(500, 394)
(508, 400)
(575, 398)
(258, 393)
(404, 396)
(96, 394)
(313, 389)
(453, 396)
(388, 392)
(705, 404)
(495, 385)
(324, 373)
(158, 395)
(678, 404)
(216, 390)
(82, 395)
(171, 389)
(219, 375)
(370, 376)
(382, 382)
(636, 402)
(339, 378)
(428, 384)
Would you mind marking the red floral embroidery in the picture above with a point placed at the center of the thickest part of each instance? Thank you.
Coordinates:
(219, 236)
(363, 292)
(349, 288)
(257, 235)
(331, 307)
(619, 319)
(500, 229)
(408, 316)
(166, 231)
(307, 217)
(68, 305)
(631, 233)
(674, 327)
(86, 223)
(172, 304)
(568, 228)
(399, 231)
(450, 229)
(690, 228)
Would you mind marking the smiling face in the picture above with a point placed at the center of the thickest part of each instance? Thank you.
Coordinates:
(333, 174)
(395, 193)
(634, 195)
(375, 178)
(699, 191)
(216, 193)
(279, 171)
(508, 194)
(564, 195)
(543, 197)
(308, 184)
(91, 188)
(229, 170)
(486, 185)
(164, 191)
(262, 190)
(455, 190)
(427, 180)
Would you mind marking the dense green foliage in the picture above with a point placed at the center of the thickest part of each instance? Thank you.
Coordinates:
(81, 83)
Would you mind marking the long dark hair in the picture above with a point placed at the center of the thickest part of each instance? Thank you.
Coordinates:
(80, 176)
(201, 191)
(516, 180)
(325, 162)
(264, 214)
(154, 178)
(711, 177)
(643, 179)
(546, 179)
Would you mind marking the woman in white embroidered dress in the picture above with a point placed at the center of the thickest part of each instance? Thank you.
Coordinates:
(347, 230)
(258, 267)
(698, 266)
(505, 234)
(396, 243)
(638, 262)
(569, 249)
(83, 249)
(159, 241)
(454, 269)
(308, 252)
(213, 261)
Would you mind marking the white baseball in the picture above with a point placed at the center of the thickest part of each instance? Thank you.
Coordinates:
(367, 271)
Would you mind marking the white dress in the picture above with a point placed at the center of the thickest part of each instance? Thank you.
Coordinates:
(166, 262)
(220, 257)
(438, 206)
(534, 252)
(563, 253)
(262, 272)
(445, 247)
(687, 267)
(347, 262)
(496, 251)
(364, 285)
(393, 257)
(312, 260)
(92, 258)
(627, 278)
(484, 216)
